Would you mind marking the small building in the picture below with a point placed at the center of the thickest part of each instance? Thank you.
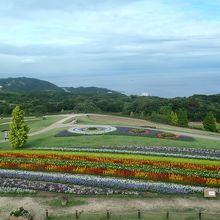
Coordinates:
(209, 193)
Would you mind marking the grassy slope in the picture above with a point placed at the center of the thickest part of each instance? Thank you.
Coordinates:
(48, 140)
(125, 121)
(35, 125)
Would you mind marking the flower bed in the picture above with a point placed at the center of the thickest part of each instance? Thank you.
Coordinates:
(144, 150)
(82, 130)
(12, 189)
(30, 186)
(92, 129)
(96, 181)
(197, 172)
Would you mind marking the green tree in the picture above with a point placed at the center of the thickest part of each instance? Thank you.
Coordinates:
(209, 122)
(173, 118)
(182, 118)
(132, 114)
(18, 133)
(165, 110)
(142, 115)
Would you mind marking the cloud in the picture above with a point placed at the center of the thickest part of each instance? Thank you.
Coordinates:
(107, 39)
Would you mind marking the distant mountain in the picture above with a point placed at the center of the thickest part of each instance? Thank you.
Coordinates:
(23, 84)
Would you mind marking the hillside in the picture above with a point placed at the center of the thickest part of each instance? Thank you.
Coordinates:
(23, 84)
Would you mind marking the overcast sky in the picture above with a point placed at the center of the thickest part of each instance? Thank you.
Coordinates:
(162, 47)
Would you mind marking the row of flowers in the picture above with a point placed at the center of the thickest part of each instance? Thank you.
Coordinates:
(158, 174)
(15, 190)
(30, 186)
(71, 158)
(139, 151)
(164, 167)
(103, 182)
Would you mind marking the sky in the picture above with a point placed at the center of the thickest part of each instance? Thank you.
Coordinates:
(164, 48)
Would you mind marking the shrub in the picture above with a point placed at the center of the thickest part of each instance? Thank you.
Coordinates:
(209, 123)
(21, 213)
(18, 129)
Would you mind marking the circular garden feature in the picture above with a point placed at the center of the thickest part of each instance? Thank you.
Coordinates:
(92, 129)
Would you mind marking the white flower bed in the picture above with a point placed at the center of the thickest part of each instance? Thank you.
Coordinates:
(97, 181)
(15, 190)
(84, 129)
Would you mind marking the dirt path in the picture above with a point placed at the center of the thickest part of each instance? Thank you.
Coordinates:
(37, 206)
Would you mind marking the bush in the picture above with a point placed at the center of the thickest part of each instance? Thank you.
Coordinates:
(21, 213)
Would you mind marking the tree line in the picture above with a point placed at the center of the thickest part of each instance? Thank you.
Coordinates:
(173, 111)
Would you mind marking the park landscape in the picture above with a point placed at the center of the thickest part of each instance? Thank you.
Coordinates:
(95, 162)
(109, 110)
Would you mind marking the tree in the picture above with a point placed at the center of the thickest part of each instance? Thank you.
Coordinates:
(18, 133)
(182, 118)
(209, 122)
(173, 118)
(142, 115)
(132, 114)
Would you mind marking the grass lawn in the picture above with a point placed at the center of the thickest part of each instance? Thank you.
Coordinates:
(35, 124)
(111, 120)
(125, 121)
(4, 120)
(48, 140)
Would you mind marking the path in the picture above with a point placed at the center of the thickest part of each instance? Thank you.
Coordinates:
(37, 205)
(58, 124)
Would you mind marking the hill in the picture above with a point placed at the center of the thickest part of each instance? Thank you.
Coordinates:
(24, 84)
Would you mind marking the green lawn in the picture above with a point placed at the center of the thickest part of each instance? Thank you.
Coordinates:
(87, 120)
(48, 140)
(35, 124)
(4, 120)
